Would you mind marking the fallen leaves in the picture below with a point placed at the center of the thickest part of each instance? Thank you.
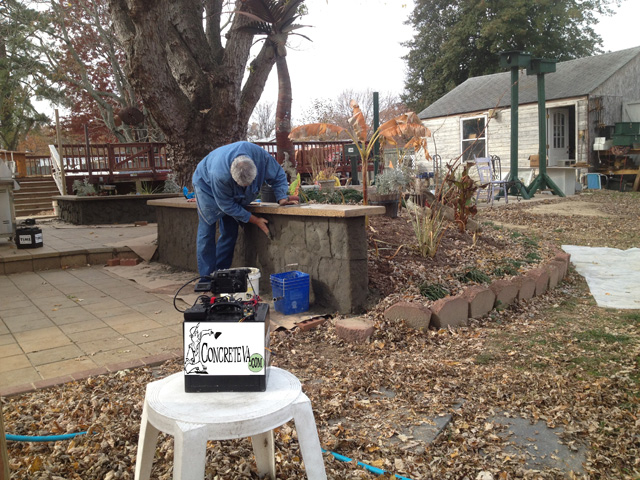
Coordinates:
(558, 358)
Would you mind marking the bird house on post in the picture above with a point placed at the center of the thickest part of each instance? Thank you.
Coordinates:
(540, 66)
(515, 60)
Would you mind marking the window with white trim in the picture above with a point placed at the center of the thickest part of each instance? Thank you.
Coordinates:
(474, 137)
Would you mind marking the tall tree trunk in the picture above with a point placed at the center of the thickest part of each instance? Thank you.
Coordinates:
(283, 112)
(193, 89)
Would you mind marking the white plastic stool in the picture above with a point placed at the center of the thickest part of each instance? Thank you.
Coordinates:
(194, 418)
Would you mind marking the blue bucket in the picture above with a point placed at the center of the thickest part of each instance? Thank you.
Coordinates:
(290, 291)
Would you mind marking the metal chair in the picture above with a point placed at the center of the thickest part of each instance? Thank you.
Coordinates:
(491, 185)
(496, 165)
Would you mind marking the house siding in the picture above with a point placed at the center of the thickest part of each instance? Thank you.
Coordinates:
(446, 139)
(597, 87)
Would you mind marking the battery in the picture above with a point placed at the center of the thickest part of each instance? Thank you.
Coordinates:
(29, 237)
(226, 350)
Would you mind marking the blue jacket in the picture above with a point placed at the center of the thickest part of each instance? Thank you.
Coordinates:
(213, 178)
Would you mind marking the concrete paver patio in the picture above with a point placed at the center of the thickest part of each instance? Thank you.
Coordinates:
(72, 322)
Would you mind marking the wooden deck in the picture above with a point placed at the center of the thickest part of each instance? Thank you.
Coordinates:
(148, 161)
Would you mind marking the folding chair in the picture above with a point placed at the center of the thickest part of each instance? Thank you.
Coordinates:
(491, 185)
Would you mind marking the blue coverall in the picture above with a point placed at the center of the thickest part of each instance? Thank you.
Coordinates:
(220, 198)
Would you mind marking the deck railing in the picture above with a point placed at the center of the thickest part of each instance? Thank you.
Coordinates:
(311, 156)
(110, 161)
(128, 161)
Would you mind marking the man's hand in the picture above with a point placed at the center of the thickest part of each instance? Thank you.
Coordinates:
(290, 200)
(261, 223)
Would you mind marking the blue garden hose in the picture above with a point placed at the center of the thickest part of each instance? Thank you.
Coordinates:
(48, 438)
(375, 470)
(67, 436)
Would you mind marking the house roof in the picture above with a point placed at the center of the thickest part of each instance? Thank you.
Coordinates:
(572, 78)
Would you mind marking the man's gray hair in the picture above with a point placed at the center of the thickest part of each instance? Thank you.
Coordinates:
(243, 170)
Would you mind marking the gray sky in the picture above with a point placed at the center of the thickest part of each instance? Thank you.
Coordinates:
(356, 45)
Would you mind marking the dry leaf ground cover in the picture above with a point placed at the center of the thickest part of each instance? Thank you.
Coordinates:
(559, 359)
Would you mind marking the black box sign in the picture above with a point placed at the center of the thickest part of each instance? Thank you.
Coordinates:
(29, 237)
(223, 353)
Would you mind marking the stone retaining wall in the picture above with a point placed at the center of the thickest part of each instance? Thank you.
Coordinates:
(328, 242)
(109, 209)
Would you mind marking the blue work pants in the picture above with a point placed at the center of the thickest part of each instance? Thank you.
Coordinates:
(212, 255)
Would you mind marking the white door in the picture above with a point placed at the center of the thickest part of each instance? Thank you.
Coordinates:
(558, 136)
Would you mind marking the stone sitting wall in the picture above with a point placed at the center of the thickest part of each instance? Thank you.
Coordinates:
(108, 209)
(329, 242)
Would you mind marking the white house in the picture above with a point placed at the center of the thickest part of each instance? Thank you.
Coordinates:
(584, 99)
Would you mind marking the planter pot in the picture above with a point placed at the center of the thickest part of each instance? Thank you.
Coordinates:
(389, 201)
(327, 185)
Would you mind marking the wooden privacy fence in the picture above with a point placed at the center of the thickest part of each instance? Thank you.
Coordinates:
(148, 161)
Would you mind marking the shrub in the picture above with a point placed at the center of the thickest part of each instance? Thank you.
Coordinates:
(433, 291)
(83, 188)
(170, 185)
(338, 197)
(394, 180)
(508, 266)
(474, 275)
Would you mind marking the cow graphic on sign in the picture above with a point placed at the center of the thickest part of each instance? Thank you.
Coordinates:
(192, 361)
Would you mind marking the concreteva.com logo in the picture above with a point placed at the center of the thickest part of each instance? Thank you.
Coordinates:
(211, 352)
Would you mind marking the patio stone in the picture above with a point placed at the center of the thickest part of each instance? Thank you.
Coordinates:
(506, 292)
(354, 330)
(541, 277)
(554, 274)
(481, 300)
(526, 287)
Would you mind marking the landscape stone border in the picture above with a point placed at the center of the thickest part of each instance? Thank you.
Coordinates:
(478, 300)
(475, 302)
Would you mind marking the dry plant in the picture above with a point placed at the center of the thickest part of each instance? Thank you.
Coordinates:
(399, 128)
(321, 167)
(429, 226)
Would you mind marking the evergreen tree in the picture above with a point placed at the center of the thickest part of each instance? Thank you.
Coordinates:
(458, 39)
(21, 73)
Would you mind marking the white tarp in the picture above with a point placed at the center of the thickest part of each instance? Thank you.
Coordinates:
(613, 275)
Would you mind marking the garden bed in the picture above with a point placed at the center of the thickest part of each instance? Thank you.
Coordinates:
(108, 209)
